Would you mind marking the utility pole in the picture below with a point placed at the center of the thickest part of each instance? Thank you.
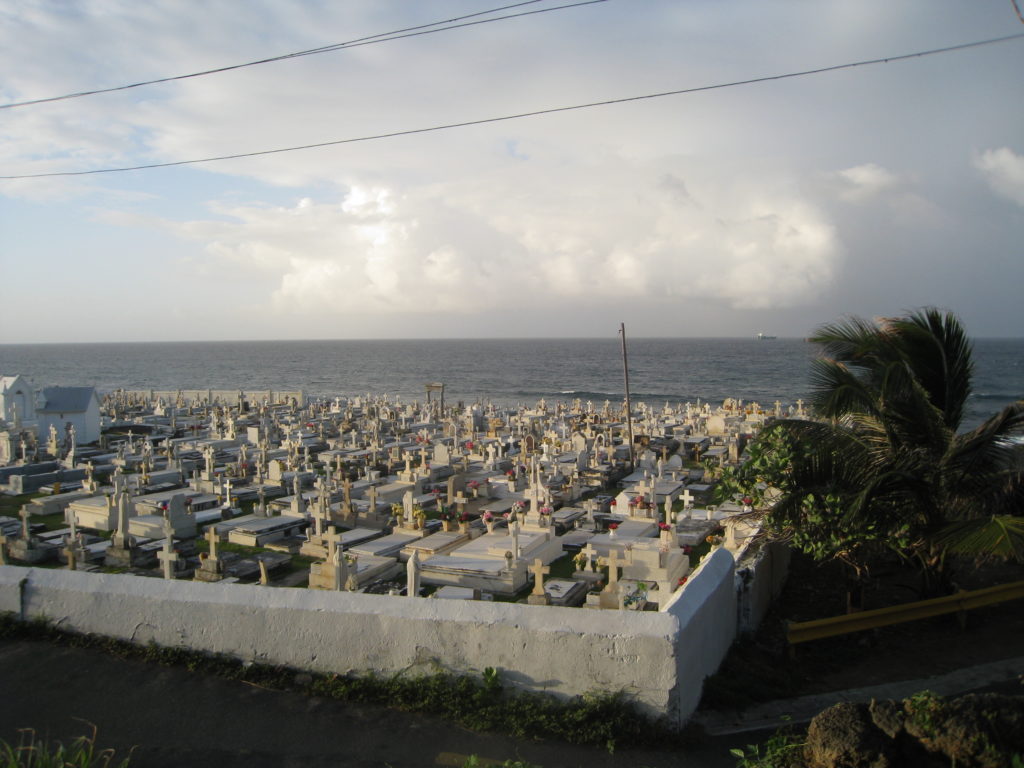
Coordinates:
(629, 407)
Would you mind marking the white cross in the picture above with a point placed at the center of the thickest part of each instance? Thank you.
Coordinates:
(539, 569)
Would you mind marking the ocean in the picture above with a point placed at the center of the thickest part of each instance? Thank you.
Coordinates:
(501, 371)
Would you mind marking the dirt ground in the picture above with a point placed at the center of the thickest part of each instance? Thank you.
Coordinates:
(760, 669)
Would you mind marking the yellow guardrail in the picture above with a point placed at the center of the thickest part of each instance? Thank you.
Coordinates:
(804, 631)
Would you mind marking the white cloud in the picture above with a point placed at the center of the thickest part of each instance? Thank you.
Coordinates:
(603, 232)
(864, 182)
(1004, 171)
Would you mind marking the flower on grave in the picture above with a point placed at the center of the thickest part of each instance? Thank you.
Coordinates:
(682, 580)
(506, 515)
(473, 485)
(687, 549)
(580, 560)
(469, 445)
(664, 526)
(713, 540)
(511, 473)
(518, 506)
(613, 526)
(636, 501)
(488, 516)
(747, 501)
(545, 510)
(614, 503)
(464, 518)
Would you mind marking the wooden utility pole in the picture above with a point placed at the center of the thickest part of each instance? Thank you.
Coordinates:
(629, 406)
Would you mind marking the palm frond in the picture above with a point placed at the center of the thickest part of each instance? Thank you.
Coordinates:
(997, 536)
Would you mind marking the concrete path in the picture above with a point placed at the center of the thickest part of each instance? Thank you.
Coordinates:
(774, 714)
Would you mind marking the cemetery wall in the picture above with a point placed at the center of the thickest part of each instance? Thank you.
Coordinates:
(705, 610)
(760, 576)
(228, 396)
(660, 659)
(564, 651)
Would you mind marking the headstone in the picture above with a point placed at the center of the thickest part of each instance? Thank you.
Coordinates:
(539, 596)
(412, 575)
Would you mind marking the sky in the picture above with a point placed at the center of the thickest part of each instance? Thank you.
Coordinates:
(769, 207)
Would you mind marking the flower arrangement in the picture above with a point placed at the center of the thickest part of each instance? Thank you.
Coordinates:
(518, 506)
(682, 580)
(580, 561)
(473, 485)
(614, 503)
(613, 526)
(488, 516)
(713, 540)
(546, 510)
(464, 518)
(664, 527)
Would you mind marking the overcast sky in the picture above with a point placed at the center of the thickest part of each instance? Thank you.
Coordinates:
(770, 207)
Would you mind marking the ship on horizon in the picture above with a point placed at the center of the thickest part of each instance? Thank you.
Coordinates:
(764, 337)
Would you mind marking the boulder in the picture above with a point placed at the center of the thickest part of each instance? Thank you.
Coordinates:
(844, 736)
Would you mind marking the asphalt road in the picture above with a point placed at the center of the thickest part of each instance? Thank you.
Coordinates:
(177, 718)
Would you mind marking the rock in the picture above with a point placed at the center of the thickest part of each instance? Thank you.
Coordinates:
(845, 736)
(888, 716)
(979, 730)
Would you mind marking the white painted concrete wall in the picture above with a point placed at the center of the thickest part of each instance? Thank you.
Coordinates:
(564, 651)
(705, 609)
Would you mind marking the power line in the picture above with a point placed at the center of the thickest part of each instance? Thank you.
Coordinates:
(536, 113)
(383, 37)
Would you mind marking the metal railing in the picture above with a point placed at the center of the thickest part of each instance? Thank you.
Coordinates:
(805, 631)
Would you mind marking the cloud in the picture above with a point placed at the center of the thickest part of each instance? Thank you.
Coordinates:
(1003, 169)
(605, 232)
(864, 182)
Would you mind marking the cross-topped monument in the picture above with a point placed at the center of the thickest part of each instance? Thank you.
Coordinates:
(539, 596)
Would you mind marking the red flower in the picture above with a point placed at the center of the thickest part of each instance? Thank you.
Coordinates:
(682, 580)
(612, 526)
(614, 502)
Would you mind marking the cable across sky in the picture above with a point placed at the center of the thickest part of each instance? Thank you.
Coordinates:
(534, 113)
(382, 37)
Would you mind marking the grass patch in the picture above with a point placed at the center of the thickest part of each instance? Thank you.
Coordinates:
(480, 702)
(32, 752)
(10, 506)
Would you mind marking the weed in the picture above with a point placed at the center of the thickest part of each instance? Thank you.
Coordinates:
(34, 753)
(782, 749)
(923, 708)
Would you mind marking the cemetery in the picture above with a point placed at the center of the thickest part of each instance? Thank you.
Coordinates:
(539, 540)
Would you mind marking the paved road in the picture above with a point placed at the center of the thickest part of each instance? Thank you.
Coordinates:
(183, 719)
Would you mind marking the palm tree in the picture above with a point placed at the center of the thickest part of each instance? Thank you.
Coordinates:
(885, 465)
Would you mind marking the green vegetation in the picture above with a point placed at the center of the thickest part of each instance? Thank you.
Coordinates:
(35, 753)
(783, 749)
(885, 468)
(480, 702)
(475, 762)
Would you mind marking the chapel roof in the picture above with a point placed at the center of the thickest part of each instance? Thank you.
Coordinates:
(66, 399)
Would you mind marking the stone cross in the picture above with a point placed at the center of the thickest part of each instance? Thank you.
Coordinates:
(613, 562)
(513, 530)
(590, 552)
(213, 538)
(687, 498)
(26, 532)
(412, 575)
(460, 501)
(168, 556)
(539, 569)
(333, 538)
